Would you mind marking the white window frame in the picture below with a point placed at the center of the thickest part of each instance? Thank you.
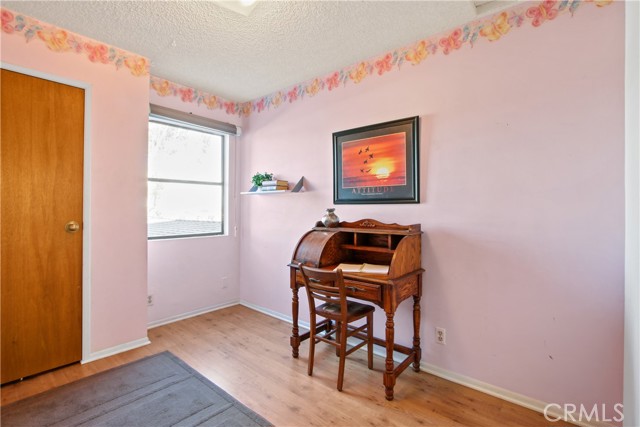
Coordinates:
(179, 119)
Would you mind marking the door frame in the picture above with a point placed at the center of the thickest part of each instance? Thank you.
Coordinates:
(86, 196)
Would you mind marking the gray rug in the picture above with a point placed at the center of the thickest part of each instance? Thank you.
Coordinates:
(160, 390)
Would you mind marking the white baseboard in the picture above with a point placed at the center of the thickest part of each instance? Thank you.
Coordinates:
(115, 350)
(271, 313)
(144, 341)
(500, 393)
(193, 313)
(504, 394)
(490, 389)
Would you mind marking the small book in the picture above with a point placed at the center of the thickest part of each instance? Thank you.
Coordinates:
(363, 268)
(277, 182)
(273, 187)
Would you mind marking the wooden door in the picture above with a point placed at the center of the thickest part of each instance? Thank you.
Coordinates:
(41, 194)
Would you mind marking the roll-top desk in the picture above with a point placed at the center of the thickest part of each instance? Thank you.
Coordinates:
(373, 242)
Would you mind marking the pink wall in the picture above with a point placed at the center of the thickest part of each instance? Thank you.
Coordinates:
(186, 275)
(522, 202)
(118, 145)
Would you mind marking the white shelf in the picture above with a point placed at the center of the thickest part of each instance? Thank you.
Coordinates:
(296, 189)
(265, 192)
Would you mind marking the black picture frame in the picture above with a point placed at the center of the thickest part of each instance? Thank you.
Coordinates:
(377, 163)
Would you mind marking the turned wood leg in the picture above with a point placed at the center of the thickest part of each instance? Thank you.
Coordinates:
(416, 333)
(370, 340)
(343, 353)
(389, 377)
(338, 338)
(312, 343)
(295, 333)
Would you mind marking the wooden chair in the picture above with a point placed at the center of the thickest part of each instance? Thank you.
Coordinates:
(329, 287)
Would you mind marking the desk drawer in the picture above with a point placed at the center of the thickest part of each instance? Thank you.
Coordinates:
(363, 291)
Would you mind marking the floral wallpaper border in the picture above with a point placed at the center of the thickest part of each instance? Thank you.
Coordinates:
(491, 29)
(190, 95)
(59, 40)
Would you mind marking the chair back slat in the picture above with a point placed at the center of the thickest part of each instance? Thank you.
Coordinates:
(326, 286)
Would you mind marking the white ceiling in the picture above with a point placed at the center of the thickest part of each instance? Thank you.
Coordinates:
(281, 43)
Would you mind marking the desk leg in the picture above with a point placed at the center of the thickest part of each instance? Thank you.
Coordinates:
(416, 333)
(389, 378)
(295, 337)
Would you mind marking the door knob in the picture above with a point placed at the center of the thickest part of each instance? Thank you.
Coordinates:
(72, 227)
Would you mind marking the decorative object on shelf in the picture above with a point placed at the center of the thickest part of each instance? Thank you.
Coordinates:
(267, 188)
(274, 185)
(275, 182)
(377, 163)
(277, 188)
(258, 178)
(330, 219)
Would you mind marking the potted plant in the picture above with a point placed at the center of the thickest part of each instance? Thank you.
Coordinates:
(258, 178)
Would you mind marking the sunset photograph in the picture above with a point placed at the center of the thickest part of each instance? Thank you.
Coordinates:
(374, 162)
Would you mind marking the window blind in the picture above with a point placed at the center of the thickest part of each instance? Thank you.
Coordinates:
(191, 121)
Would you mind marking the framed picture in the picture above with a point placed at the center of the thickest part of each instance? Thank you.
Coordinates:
(377, 163)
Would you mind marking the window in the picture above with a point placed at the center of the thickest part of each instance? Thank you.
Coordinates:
(186, 179)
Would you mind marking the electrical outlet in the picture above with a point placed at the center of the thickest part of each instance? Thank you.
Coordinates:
(441, 335)
(149, 300)
(224, 282)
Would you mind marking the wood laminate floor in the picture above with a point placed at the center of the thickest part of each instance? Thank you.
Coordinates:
(247, 353)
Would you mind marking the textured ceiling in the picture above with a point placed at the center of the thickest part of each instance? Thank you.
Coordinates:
(281, 43)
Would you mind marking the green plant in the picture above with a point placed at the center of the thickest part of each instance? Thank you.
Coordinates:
(259, 177)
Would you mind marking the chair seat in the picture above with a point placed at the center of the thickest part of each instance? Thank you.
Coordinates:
(354, 309)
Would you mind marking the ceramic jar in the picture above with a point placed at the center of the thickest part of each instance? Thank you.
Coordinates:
(330, 219)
